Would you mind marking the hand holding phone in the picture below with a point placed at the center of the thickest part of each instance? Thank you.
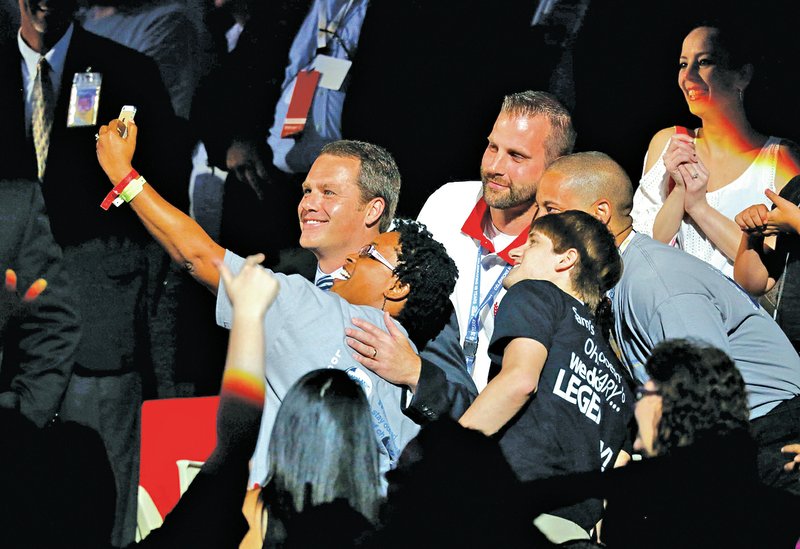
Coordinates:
(127, 113)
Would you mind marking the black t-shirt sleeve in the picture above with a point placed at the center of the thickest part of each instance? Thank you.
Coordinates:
(530, 309)
(791, 191)
(787, 242)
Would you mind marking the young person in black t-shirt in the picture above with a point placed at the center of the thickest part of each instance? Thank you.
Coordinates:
(560, 402)
(769, 255)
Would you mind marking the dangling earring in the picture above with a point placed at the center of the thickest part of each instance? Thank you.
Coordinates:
(741, 94)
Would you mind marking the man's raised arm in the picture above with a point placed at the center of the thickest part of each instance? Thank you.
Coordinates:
(180, 235)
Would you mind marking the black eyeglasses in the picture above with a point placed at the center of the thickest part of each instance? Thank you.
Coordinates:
(370, 251)
(642, 392)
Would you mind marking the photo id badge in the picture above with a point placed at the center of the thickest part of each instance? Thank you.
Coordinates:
(84, 100)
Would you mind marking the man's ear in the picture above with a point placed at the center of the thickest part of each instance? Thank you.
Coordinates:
(602, 210)
(567, 260)
(398, 292)
(374, 211)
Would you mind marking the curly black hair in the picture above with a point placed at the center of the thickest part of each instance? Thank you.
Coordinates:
(702, 393)
(431, 275)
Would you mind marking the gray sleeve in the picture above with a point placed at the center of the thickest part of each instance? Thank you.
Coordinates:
(689, 316)
(224, 310)
(293, 289)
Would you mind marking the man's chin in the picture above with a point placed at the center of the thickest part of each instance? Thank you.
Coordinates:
(510, 280)
(309, 239)
(498, 198)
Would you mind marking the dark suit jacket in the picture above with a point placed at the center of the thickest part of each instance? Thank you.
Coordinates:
(108, 254)
(74, 184)
(37, 348)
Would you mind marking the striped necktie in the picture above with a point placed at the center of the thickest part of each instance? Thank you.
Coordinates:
(324, 282)
(42, 119)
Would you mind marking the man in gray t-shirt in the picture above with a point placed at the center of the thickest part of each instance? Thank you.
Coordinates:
(304, 331)
(666, 293)
(404, 273)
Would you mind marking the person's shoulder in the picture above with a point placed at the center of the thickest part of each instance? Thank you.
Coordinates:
(460, 191)
(645, 252)
(646, 260)
(534, 294)
(641, 244)
(654, 269)
(791, 191)
(531, 286)
(788, 163)
(659, 141)
(448, 207)
(107, 54)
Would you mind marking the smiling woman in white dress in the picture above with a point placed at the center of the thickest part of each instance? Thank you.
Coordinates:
(695, 181)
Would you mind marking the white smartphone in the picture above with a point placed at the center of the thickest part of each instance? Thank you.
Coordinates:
(127, 113)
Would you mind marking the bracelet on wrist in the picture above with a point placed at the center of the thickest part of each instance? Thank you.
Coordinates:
(133, 189)
(113, 194)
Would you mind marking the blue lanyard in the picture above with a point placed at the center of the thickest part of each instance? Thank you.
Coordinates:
(476, 306)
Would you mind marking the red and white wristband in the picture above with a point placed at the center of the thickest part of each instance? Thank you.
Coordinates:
(125, 191)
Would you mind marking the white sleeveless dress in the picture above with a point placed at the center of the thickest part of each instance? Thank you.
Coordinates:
(744, 191)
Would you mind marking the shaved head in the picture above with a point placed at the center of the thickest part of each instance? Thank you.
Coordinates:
(591, 182)
(592, 176)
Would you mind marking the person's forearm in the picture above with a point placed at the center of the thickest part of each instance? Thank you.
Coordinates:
(668, 219)
(180, 235)
(750, 267)
(724, 233)
(242, 391)
(502, 398)
(246, 345)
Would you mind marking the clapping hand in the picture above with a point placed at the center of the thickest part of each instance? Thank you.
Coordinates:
(680, 152)
(687, 170)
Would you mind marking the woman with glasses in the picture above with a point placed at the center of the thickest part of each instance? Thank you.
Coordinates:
(557, 398)
(693, 392)
(698, 484)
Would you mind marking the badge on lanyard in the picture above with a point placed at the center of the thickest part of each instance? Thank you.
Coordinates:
(84, 99)
(302, 95)
(333, 70)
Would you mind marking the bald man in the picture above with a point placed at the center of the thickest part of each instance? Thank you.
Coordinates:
(666, 293)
